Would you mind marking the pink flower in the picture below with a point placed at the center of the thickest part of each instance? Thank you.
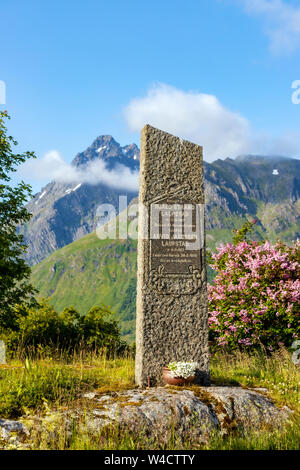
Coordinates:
(255, 284)
(245, 341)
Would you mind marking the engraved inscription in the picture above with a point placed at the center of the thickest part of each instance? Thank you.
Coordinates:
(174, 228)
(176, 285)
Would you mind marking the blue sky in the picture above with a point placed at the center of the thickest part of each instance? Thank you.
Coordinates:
(218, 72)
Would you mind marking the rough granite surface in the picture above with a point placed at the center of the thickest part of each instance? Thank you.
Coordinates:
(203, 409)
(194, 414)
(171, 309)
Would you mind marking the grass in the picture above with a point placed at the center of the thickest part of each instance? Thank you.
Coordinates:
(33, 385)
(113, 438)
(275, 372)
(47, 385)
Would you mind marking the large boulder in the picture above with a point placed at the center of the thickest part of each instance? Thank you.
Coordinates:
(193, 413)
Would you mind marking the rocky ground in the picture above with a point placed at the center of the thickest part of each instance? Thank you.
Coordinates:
(192, 411)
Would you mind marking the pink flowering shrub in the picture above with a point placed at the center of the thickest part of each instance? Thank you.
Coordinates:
(255, 296)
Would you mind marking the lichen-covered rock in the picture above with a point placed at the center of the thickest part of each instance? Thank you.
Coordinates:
(12, 433)
(197, 409)
(155, 411)
(248, 408)
(193, 413)
(8, 426)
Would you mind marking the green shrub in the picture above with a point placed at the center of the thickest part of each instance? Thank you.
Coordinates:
(41, 327)
(99, 330)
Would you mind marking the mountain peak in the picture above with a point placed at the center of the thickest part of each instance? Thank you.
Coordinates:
(106, 148)
(103, 146)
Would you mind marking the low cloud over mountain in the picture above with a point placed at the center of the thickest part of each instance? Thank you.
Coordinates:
(105, 162)
(54, 167)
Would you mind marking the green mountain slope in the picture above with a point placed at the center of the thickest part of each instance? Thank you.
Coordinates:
(89, 272)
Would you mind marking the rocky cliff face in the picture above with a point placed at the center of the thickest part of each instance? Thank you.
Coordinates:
(266, 188)
(252, 185)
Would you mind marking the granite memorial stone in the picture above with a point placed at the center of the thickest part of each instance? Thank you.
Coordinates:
(171, 285)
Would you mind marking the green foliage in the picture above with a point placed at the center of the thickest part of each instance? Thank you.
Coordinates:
(70, 325)
(100, 331)
(241, 234)
(15, 287)
(128, 306)
(41, 326)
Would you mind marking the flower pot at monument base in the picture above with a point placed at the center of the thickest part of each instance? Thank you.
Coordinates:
(170, 380)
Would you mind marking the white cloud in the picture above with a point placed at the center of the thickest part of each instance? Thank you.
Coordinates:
(202, 119)
(194, 116)
(52, 167)
(281, 22)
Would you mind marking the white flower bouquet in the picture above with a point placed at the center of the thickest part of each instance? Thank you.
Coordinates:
(182, 369)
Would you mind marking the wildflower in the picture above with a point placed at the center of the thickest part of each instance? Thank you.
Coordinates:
(182, 369)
